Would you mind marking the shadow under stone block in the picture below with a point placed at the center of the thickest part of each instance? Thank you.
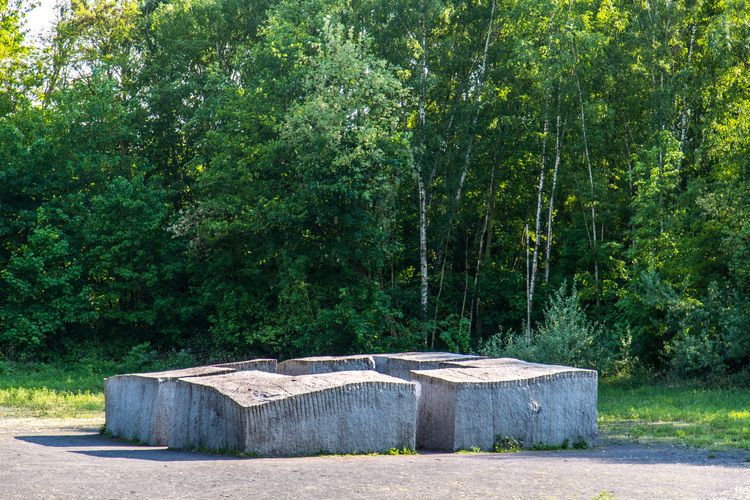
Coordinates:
(278, 415)
(532, 404)
(325, 364)
(139, 406)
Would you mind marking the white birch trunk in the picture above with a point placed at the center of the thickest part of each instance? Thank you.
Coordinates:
(551, 208)
(594, 244)
(538, 221)
(467, 156)
(423, 272)
(528, 305)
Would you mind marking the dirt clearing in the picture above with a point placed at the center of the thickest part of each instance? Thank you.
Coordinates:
(53, 458)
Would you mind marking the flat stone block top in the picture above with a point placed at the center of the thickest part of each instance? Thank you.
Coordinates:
(326, 364)
(500, 400)
(400, 364)
(139, 406)
(263, 365)
(278, 415)
(494, 362)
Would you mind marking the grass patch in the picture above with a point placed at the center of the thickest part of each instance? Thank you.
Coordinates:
(392, 451)
(473, 449)
(604, 495)
(42, 390)
(702, 417)
(505, 444)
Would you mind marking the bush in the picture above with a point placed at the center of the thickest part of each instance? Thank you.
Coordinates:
(455, 333)
(712, 341)
(566, 337)
(142, 357)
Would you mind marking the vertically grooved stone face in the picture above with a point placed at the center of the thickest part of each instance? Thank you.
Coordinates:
(400, 364)
(263, 365)
(139, 406)
(465, 407)
(325, 364)
(279, 415)
(463, 402)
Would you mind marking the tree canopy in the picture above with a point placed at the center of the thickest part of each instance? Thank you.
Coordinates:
(289, 177)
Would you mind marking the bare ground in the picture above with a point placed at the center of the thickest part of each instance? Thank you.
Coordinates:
(55, 458)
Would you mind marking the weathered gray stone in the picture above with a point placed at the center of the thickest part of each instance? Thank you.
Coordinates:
(139, 406)
(278, 415)
(464, 407)
(263, 365)
(325, 364)
(400, 364)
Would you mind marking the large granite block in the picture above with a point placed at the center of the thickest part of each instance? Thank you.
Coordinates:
(139, 406)
(278, 415)
(475, 406)
(325, 364)
(400, 364)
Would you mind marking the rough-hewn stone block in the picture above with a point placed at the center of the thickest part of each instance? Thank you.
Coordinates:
(139, 406)
(263, 365)
(468, 406)
(400, 364)
(278, 415)
(325, 364)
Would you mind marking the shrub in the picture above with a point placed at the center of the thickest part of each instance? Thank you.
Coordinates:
(142, 357)
(565, 336)
(712, 340)
(455, 333)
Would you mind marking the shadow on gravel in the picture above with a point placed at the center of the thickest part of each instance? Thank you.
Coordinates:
(68, 440)
(621, 453)
(156, 455)
(114, 448)
(633, 454)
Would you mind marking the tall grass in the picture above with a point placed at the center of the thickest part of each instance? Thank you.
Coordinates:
(41, 390)
(710, 418)
(73, 389)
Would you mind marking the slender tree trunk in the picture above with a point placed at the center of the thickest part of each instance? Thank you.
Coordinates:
(424, 281)
(685, 114)
(628, 139)
(423, 272)
(480, 251)
(594, 244)
(528, 309)
(466, 280)
(467, 155)
(437, 301)
(551, 208)
(480, 85)
(538, 221)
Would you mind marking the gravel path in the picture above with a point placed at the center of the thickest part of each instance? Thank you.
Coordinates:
(68, 459)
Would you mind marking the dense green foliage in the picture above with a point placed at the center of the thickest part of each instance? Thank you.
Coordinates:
(287, 177)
